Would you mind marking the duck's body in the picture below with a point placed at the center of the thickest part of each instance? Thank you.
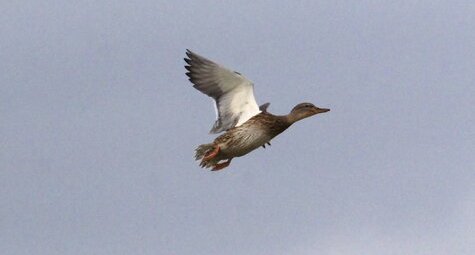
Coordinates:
(239, 141)
(254, 133)
(247, 126)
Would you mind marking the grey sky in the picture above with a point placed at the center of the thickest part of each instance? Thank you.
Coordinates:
(98, 124)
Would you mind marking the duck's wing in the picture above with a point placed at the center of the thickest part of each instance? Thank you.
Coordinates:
(232, 92)
(263, 107)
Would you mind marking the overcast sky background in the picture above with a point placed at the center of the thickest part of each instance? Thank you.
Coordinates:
(98, 126)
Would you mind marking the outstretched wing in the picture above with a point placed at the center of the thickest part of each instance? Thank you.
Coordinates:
(232, 92)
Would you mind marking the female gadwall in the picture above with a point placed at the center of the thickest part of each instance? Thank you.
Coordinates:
(246, 125)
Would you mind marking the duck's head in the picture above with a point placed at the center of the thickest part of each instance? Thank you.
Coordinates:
(304, 110)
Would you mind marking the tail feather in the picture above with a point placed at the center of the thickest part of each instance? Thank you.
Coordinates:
(201, 151)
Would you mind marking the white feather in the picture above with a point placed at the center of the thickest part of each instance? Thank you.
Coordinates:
(233, 93)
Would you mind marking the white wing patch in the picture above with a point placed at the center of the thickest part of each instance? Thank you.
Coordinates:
(243, 102)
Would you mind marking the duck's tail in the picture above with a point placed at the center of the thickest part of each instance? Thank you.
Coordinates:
(201, 151)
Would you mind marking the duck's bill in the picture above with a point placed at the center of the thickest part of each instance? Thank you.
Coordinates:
(322, 110)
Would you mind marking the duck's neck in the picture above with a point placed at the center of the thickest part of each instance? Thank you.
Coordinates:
(291, 118)
(273, 124)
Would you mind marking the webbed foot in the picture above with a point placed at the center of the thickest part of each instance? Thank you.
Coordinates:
(211, 154)
(220, 166)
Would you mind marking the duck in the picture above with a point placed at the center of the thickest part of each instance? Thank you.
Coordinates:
(246, 125)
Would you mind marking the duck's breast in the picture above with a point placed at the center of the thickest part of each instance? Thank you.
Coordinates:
(245, 140)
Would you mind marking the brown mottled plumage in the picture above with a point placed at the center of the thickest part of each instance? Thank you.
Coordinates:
(247, 126)
(255, 132)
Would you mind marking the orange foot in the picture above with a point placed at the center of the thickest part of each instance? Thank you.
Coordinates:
(212, 153)
(221, 165)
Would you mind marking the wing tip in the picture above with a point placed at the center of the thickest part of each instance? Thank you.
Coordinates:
(190, 54)
(263, 107)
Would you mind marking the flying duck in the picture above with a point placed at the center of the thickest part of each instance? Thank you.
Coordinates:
(246, 125)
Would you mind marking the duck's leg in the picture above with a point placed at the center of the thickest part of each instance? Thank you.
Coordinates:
(264, 145)
(221, 165)
(212, 153)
